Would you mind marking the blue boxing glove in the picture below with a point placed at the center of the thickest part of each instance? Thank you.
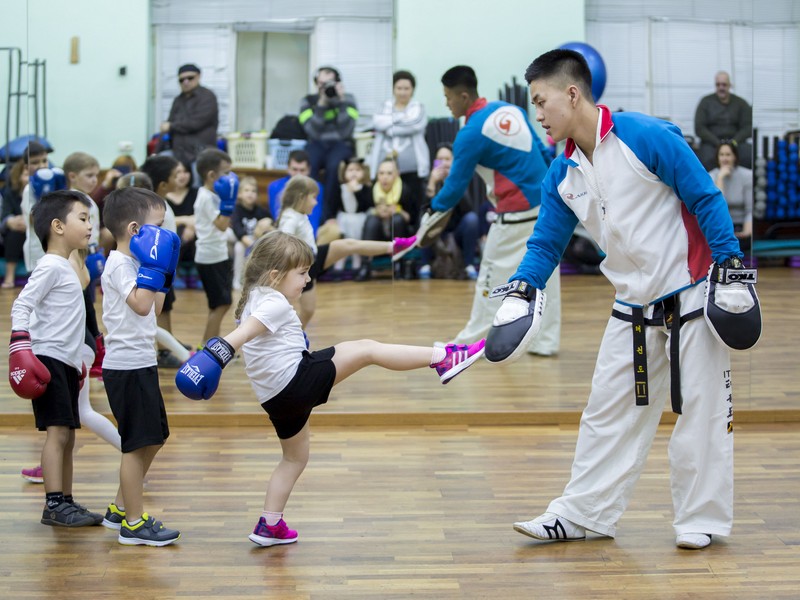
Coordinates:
(152, 247)
(46, 180)
(199, 376)
(173, 263)
(227, 188)
(95, 262)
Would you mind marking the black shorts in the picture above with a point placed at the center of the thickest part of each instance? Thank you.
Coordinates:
(58, 406)
(169, 300)
(310, 387)
(217, 282)
(318, 267)
(136, 403)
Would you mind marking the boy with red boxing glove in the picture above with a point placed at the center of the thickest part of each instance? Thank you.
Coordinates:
(137, 276)
(47, 331)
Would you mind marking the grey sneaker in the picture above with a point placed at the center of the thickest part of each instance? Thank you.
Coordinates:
(67, 515)
(147, 532)
(98, 518)
(114, 517)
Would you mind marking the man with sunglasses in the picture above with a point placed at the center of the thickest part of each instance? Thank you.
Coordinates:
(193, 118)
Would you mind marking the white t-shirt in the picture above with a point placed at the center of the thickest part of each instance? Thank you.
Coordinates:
(169, 218)
(130, 343)
(271, 359)
(32, 250)
(211, 246)
(51, 308)
(297, 224)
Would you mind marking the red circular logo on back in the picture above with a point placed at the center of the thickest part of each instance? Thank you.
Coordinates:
(506, 123)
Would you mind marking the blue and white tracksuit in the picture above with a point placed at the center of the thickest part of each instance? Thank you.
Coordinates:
(499, 143)
(655, 212)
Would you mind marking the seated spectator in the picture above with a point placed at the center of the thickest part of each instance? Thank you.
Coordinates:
(299, 163)
(723, 116)
(249, 222)
(36, 156)
(463, 226)
(736, 184)
(400, 132)
(329, 119)
(353, 202)
(393, 214)
(181, 200)
(12, 226)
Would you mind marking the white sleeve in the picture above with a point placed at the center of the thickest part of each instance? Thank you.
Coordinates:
(39, 284)
(271, 312)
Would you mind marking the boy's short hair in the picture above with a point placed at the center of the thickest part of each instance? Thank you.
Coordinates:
(210, 160)
(55, 205)
(78, 161)
(124, 206)
(159, 168)
(300, 156)
(568, 66)
(461, 76)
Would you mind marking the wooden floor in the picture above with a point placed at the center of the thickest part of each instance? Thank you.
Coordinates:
(396, 512)
(412, 486)
(533, 390)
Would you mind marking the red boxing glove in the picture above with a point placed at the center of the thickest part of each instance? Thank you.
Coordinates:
(27, 374)
(97, 366)
(82, 378)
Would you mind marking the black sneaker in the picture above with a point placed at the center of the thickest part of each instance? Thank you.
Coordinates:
(167, 360)
(147, 532)
(67, 515)
(98, 518)
(114, 517)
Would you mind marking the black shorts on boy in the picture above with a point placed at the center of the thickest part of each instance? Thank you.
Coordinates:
(217, 281)
(136, 403)
(58, 405)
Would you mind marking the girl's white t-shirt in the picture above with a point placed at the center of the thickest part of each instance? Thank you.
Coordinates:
(297, 224)
(271, 359)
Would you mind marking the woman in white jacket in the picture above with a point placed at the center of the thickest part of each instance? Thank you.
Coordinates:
(400, 133)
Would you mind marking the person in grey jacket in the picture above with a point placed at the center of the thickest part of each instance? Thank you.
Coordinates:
(723, 116)
(329, 119)
(193, 118)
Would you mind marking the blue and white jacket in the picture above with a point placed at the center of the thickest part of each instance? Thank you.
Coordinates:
(499, 142)
(645, 199)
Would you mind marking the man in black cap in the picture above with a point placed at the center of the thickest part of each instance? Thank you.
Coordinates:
(193, 118)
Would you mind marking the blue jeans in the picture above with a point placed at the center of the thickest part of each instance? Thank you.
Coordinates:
(328, 155)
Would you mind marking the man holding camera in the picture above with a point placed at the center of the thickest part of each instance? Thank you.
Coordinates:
(329, 119)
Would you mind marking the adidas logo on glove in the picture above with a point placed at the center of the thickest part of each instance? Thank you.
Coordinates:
(17, 375)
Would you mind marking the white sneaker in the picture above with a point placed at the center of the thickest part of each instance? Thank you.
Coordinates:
(550, 526)
(693, 541)
(471, 272)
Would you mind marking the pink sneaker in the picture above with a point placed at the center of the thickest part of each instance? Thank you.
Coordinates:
(33, 475)
(458, 358)
(403, 244)
(270, 535)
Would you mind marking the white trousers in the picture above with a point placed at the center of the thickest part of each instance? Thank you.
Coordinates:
(615, 435)
(504, 249)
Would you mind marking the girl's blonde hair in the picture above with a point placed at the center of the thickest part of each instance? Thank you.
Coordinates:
(297, 190)
(275, 251)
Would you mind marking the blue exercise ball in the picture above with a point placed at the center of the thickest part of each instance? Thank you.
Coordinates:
(596, 66)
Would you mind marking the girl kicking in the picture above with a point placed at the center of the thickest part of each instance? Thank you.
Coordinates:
(288, 380)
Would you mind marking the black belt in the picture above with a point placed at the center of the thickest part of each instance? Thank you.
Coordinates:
(665, 313)
(503, 218)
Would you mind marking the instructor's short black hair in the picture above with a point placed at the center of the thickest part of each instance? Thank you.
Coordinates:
(55, 205)
(568, 65)
(461, 76)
